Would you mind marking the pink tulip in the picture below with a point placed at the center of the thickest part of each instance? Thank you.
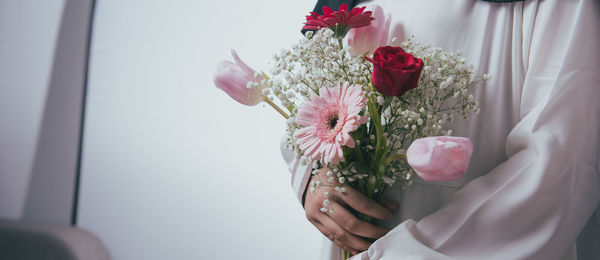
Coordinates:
(367, 39)
(233, 78)
(440, 158)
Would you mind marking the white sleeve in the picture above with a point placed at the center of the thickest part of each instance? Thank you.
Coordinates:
(534, 204)
(300, 172)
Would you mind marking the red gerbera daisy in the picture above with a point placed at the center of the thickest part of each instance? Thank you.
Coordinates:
(341, 21)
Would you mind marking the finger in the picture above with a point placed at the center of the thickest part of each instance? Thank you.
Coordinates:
(329, 235)
(342, 238)
(353, 225)
(390, 204)
(363, 204)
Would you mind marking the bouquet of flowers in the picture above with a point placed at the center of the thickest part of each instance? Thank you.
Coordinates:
(371, 111)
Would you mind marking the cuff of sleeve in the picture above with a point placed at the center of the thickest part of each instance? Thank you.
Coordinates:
(300, 181)
(361, 256)
(300, 172)
(400, 243)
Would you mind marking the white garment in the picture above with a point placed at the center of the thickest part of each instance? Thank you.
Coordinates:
(533, 181)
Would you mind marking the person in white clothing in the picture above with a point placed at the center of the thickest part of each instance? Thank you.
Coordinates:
(533, 185)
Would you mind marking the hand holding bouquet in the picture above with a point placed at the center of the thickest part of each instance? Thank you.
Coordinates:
(353, 110)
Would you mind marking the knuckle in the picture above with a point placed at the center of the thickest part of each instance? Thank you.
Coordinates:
(341, 236)
(350, 224)
(332, 238)
(335, 235)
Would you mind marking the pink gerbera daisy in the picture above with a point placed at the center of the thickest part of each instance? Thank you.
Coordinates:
(341, 21)
(328, 120)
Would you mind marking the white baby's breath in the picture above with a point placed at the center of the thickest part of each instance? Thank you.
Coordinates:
(318, 61)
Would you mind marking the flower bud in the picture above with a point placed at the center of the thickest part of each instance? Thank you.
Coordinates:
(239, 81)
(440, 158)
(367, 39)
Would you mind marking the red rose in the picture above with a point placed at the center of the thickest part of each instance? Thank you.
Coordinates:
(394, 70)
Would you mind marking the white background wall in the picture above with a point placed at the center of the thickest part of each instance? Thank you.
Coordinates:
(26, 56)
(173, 168)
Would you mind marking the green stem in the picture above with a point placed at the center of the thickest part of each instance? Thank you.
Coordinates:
(376, 120)
(285, 115)
(394, 157)
(273, 105)
(346, 255)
